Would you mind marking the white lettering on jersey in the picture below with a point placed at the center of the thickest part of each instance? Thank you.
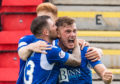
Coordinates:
(21, 44)
(44, 63)
(29, 72)
(63, 75)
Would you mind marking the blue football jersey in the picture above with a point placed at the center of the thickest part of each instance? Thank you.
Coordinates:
(24, 41)
(77, 75)
(39, 66)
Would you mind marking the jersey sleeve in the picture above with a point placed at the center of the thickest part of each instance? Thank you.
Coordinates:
(93, 64)
(24, 41)
(57, 55)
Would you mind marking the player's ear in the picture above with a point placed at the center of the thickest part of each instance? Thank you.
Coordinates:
(45, 31)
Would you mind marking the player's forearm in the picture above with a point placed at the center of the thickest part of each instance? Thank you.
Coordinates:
(100, 68)
(73, 61)
(76, 52)
(75, 57)
(24, 52)
(104, 73)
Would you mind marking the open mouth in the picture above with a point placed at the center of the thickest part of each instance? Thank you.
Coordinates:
(71, 41)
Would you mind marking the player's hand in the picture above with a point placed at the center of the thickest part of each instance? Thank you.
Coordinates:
(107, 77)
(40, 47)
(93, 54)
(82, 43)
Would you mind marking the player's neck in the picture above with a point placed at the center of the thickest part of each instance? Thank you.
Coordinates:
(62, 46)
(46, 38)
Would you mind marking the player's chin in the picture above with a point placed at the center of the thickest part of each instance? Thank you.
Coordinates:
(71, 46)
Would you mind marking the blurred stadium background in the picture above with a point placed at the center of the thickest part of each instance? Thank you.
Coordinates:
(98, 22)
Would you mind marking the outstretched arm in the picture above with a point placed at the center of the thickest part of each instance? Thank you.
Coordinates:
(103, 72)
(39, 46)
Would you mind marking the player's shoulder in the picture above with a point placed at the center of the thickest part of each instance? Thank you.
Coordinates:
(83, 52)
(25, 40)
(27, 37)
(85, 49)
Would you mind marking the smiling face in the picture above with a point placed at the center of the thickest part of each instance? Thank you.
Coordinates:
(67, 36)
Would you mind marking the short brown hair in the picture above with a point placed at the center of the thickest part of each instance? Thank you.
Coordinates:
(48, 7)
(63, 21)
(38, 24)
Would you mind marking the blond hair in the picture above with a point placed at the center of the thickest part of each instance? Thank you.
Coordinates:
(47, 7)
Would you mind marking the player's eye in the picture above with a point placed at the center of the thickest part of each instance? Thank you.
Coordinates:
(68, 31)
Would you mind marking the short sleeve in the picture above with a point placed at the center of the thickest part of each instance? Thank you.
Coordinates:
(24, 41)
(56, 54)
(93, 64)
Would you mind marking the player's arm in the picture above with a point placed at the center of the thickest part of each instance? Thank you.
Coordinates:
(102, 71)
(25, 49)
(58, 55)
(74, 58)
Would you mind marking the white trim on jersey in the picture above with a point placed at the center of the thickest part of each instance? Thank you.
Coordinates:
(44, 63)
(21, 44)
(53, 43)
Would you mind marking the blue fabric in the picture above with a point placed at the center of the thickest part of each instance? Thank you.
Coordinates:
(26, 39)
(77, 75)
(21, 72)
(39, 66)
